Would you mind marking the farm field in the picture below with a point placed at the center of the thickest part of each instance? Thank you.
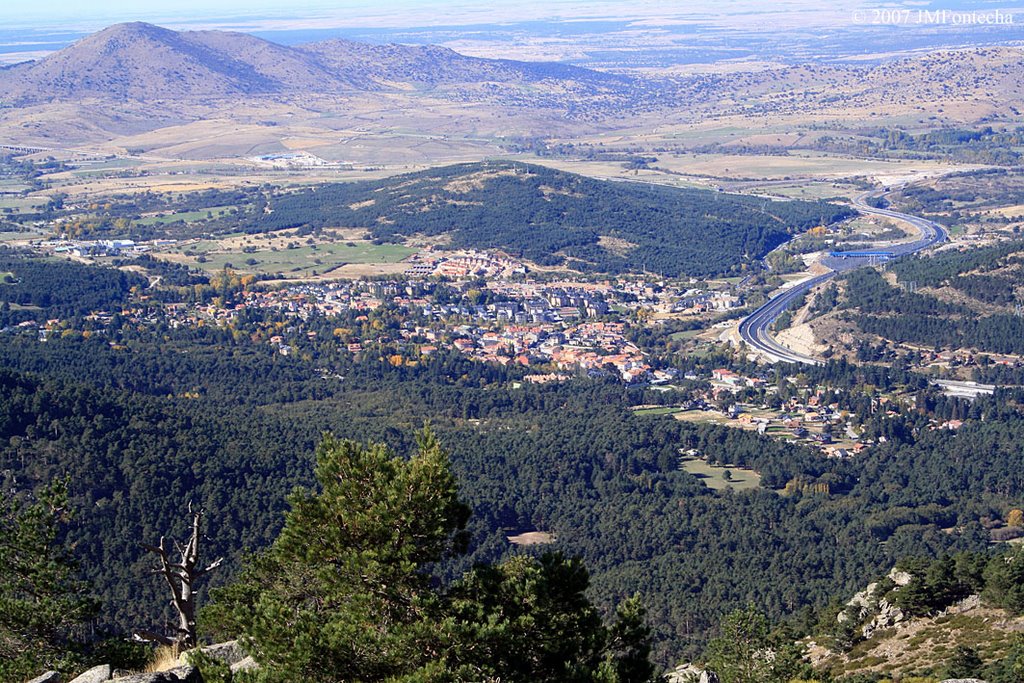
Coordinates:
(22, 204)
(12, 236)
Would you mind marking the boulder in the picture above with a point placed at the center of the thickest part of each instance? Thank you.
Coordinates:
(181, 674)
(229, 653)
(966, 605)
(188, 674)
(899, 578)
(709, 677)
(247, 664)
(48, 677)
(97, 674)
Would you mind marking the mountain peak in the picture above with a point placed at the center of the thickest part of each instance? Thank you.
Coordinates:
(141, 61)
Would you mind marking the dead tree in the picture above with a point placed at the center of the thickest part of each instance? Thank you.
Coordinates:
(181, 578)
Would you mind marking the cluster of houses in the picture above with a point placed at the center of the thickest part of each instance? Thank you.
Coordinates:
(594, 348)
(536, 332)
(466, 265)
(556, 306)
(812, 419)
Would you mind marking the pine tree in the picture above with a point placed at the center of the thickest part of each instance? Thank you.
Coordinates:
(43, 604)
(345, 592)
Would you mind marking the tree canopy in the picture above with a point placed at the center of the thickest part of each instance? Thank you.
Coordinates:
(346, 592)
(43, 604)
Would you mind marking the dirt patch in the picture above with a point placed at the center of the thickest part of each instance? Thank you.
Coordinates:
(616, 245)
(532, 538)
(476, 181)
(800, 339)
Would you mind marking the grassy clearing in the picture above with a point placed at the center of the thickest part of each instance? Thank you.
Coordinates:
(303, 261)
(807, 191)
(23, 204)
(186, 216)
(661, 410)
(685, 335)
(713, 476)
(13, 236)
(532, 538)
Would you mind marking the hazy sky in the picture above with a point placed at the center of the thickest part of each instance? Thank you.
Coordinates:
(261, 15)
(394, 12)
(90, 14)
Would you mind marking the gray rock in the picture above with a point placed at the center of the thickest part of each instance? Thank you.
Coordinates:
(889, 615)
(181, 674)
(48, 677)
(156, 677)
(247, 664)
(229, 653)
(963, 680)
(97, 674)
(709, 677)
(187, 674)
(899, 578)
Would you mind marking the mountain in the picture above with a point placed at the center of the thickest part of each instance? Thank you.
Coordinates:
(140, 61)
(435, 65)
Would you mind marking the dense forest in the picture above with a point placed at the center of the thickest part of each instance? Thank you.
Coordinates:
(137, 445)
(62, 288)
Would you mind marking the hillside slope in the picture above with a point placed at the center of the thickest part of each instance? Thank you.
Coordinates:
(557, 218)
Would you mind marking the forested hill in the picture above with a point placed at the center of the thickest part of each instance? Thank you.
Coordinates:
(551, 217)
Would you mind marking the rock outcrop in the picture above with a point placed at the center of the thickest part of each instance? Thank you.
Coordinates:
(103, 673)
(229, 653)
(247, 664)
(181, 674)
(97, 674)
(48, 677)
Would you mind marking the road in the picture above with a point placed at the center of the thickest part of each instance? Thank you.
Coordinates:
(754, 329)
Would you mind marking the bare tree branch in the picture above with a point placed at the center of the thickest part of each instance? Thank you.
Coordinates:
(180, 577)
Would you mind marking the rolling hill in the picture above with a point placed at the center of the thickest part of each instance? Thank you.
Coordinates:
(557, 218)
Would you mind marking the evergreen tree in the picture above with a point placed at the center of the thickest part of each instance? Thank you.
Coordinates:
(346, 594)
(527, 620)
(964, 663)
(741, 653)
(343, 594)
(43, 605)
(1004, 581)
(748, 651)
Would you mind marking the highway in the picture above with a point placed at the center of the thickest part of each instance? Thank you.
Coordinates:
(754, 329)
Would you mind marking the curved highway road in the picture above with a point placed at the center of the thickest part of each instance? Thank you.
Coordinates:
(754, 328)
